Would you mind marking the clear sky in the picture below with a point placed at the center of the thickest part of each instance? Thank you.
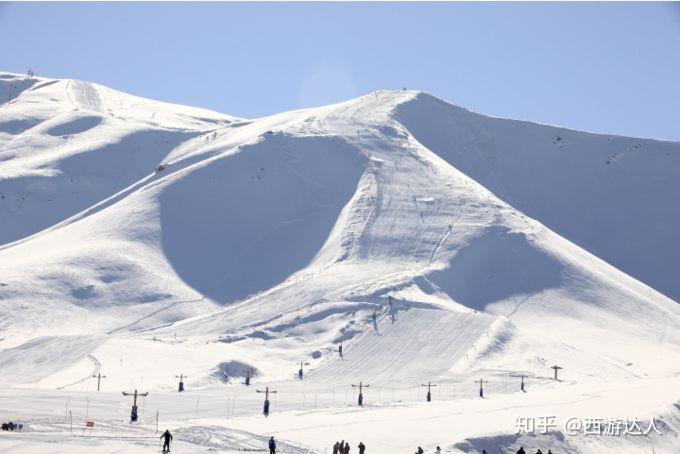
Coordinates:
(601, 67)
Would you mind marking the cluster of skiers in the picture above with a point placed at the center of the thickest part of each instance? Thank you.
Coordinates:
(439, 451)
(11, 426)
(338, 448)
(343, 448)
(522, 451)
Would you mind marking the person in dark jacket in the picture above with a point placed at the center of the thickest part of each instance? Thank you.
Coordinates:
(166, 443)
(346, 450)
(272, 446)
(521, 450)
(362, 447)
(336, 447)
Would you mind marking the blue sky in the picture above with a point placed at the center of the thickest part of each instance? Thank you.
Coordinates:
(602, 67)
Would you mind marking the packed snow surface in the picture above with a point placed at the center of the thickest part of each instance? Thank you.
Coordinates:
(142, 240)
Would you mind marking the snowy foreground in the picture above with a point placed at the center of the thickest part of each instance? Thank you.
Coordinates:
(142, 240)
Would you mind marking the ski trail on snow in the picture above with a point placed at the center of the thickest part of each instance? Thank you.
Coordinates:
(97, 368)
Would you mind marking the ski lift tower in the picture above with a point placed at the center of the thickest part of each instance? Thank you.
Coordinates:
(266, 392)
(181, 382)
(556, 368)
(300, 371)
(361, 387)
(481, 382)
(133, 412)
(99, 377)
(522, 376)
(429, 394)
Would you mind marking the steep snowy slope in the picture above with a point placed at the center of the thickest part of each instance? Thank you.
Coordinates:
(614, 196)
(142, 240)
(66, 145)
(381, 222)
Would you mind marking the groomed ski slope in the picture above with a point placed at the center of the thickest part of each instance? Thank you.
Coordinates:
(143, 239)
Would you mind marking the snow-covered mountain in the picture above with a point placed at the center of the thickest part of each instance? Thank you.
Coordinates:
(434, 242)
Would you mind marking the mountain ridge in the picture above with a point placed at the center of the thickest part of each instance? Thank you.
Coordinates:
(302, 229)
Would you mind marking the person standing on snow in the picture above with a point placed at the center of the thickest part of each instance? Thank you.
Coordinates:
(272, 446)
(521, 450)
(346, 450)
(167, 437)
(439, 450)
(420, 450)
(336, 448)
(362, 447)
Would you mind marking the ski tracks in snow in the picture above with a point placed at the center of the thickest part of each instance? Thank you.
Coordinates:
(95, 371)
(84, 95)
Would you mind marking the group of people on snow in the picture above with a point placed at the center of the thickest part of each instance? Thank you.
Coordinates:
(522, 451)
(11, 426)
(343, 448)
(438, 450)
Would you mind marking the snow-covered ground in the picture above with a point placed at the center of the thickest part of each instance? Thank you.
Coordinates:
(141, 240)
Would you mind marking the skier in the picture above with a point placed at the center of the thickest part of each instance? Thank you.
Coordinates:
(346, 450)
(272, 446)
(539, 452)
(362, 447)
(167, 437)
(336, 448)
(300, 373)
(420, 450)
(521, 450)
(439, 450)
(266, 408)
(340, 351)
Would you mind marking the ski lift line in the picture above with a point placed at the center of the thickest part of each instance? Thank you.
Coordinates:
(325, 397)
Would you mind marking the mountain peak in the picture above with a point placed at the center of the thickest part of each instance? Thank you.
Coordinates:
(289, 233)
